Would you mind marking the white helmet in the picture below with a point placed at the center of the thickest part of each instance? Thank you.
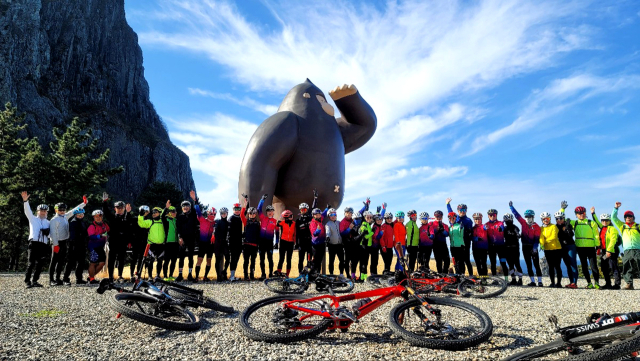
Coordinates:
(559, 214)
(331, 210)
(544, 215)
(96, 212)
(605, 217)
(303, 205)
(367, 213)
(508, 217)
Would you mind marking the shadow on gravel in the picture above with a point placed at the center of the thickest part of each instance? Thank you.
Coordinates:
(518, 341)
(333, 338)
(522, 298)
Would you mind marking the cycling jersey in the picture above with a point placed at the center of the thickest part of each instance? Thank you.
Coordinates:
(367, 234)
(439, 232)
(466, 222)
(630, 232)
(172, 230)
(565, 235)
(121, 225)
(399, 233)
(456, 233)
(549, 240)
(530, 232)
(511, 235)
(585, 232)
(318, 233)
(97, 235)
(267, 225)
(302, 225)
(157, 229)
(251, 235)
(235, 231)
(286, 231)
(386, 241)
(206, 226)
(188, 225)
(78, 231)
(332, 230)
(221, 233)
(495, 232)
(413, 233)
(37, 225)
(424, 237)
(59, 226)
(377, 235)
(480, 237)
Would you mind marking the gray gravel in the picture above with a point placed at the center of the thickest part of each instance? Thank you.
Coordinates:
(88, 329)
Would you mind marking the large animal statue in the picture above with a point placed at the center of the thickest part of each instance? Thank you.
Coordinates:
(302, 147)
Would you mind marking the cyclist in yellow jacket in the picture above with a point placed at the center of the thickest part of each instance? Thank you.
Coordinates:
(550, 244)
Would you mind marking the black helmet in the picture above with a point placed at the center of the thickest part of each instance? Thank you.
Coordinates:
(61, 207)
(185, 204)
(438, 213)
(118, 204)
(270, 208)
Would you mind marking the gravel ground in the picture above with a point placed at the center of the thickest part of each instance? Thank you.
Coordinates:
(82, 326)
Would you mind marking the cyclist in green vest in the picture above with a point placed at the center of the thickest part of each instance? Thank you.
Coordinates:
(413, 238)
(610, 250)
(158, 227)
(366, 237)
(172, 247)
(631, 244)
(587, 242)
(457, 247)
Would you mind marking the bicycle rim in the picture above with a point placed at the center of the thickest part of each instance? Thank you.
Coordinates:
(286, 285)
(486, 287)
(147, 310)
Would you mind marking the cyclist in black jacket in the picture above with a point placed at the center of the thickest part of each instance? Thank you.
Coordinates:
(512, 248)
(139, 243)
(250, 238)
(120, 234)
(77, 251)
(235, 240)
(303, 234)
(188, 232)
(221, 245)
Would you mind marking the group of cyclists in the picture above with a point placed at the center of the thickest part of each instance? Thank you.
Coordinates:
(167, 237)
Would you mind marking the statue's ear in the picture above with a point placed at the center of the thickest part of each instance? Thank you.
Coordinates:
(306, 95)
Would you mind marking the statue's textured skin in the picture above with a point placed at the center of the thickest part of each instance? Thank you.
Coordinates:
(302, 147)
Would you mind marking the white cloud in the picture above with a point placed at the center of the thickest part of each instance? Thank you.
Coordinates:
(245, 102)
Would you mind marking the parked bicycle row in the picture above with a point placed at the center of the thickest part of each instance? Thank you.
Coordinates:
(165, 238)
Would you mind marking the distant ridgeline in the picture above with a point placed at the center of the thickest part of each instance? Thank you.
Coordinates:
(61, 59)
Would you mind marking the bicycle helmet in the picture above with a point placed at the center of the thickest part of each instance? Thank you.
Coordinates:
(303, 205)
(286, 214)
(348, 210)
(411, 212)
(97, 212)
(185, 204)
(172, 209)
(270, 208)
(529, 213)
(452, 214)
(224, 210)
(79, 211)
(629, 214)
(367, 214)
(42, 207)
(605, 217)
(252, 210)
(316, 211)
(424, 215)
(212, 211)
(438, 214)
(143, 209)
(60, 207)
(377, 217)
(508, 217)
(331, 211)
(559, 214)
(157, 209)
(236, 206)
(544, 215)
(477, 215)
(118, 204)
(492, 212)
(399, 214)
(462, 206)
(580, 210)
(388, 215)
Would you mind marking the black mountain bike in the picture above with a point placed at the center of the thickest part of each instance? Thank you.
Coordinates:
(604, 337)
(159, 303)
(297, 285)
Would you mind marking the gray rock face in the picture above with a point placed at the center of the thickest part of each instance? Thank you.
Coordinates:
(66, 58)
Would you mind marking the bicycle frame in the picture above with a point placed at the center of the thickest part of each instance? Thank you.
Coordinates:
(630, 319)
(383, 295)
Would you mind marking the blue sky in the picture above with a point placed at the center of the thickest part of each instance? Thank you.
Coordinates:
(484, 102)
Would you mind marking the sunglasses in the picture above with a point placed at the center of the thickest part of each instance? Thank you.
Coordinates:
(333, 215)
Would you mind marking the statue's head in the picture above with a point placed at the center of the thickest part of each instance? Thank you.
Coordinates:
(306, 100)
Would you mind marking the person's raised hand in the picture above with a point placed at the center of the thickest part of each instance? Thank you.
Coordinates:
(56, 249)
(378, 209)
(593, 209)
(105, 196)
(449, 200)
(367, 201)
(618, 204)
(168, 204)
(85, 200)
(192, 194)
(25, 196)
(384, 205)
(315, 193)
(265, 196)
(510, 204)
(564, 204)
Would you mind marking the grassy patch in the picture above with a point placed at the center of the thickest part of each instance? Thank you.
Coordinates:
(43, 313)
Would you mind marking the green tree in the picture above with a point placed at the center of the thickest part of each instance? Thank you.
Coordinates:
(73, 170)
(157, 194)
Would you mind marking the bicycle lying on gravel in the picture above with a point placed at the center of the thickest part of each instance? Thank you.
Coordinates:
(426, 281)
(604, 337)
(160, 303)
(297, 285)
(440, 323)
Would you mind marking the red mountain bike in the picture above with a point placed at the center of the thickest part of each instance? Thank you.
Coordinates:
(428, 322)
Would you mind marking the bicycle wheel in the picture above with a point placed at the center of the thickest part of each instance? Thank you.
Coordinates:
(267, 320)
(286, 285)
(200, 300)
(485, 287)
(146, 309)
(604, 345)
(339, 284)
(459, 326)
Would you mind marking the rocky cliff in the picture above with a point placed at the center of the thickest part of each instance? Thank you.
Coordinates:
(66, 58)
